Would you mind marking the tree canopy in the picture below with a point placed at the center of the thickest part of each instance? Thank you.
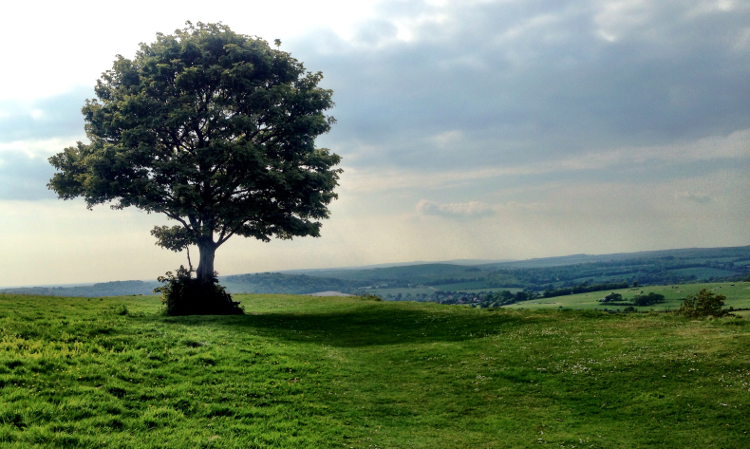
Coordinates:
(214, 129)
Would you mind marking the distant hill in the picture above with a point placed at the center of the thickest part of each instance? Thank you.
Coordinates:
(465, 262)
(418, 281)
(288, 283)
(682, 264)
(115, 288)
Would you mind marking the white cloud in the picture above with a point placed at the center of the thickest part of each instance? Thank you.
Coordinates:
(732, 147)
(39, 148)
(447, 138)
(696, 197)
(472, 209)
(66, 33)
(712, 7)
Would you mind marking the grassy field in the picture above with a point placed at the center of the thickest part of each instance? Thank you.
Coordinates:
(737, 293)
(304, 372)
(429, 290)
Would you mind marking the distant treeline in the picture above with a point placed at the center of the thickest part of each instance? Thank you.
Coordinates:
(477, 299)
(584, 288)
(450, 280)
(725, 264)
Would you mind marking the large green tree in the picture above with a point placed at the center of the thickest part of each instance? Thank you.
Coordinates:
(214, 129)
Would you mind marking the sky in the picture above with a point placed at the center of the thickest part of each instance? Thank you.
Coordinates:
(468, 130)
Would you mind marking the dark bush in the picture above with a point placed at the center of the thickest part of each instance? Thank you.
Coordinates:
(185, 295)
(648, 300)
(612, 297)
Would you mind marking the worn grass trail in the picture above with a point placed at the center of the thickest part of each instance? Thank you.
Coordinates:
(339, 372)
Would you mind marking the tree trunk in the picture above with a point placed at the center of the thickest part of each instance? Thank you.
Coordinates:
(207, 251)
(208, 298)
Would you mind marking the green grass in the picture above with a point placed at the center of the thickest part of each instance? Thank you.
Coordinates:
(737, 293)
(304, 372)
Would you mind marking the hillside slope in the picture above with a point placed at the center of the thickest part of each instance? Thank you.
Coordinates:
(303, 372)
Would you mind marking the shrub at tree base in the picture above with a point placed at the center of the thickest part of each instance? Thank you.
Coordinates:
(705, 303)
(185, 295)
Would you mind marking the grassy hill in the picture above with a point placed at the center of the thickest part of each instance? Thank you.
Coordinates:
(303, 372)
(116, 288)
(537, 275)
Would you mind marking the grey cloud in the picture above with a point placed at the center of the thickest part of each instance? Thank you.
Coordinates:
(472, 209)
(695, 197)
(505, 84)
(375, 32)
(58, 116)
(528, 81)
(23, 177)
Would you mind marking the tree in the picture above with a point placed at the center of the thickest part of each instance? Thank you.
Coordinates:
(704, 303)
(612, 297)
(648, 300)
(214, 129)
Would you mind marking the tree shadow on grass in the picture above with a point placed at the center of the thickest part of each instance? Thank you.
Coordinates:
(368, 326)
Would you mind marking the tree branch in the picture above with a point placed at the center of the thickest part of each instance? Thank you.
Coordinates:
(178, 218)
(224, 238)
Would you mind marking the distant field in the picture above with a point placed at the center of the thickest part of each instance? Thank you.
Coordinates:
(464, 286)
(493, 289)
(403, 291)
(738, 296)
(304, 372)
(432, 269)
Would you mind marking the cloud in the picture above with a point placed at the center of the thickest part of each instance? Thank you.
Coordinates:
(32, 131)
(39, 148)
(532, 82)
(436, 94)
(707, 154)
(446, 139)
(472, 209)
(23, 177)
(695, 197)
(58, 116)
